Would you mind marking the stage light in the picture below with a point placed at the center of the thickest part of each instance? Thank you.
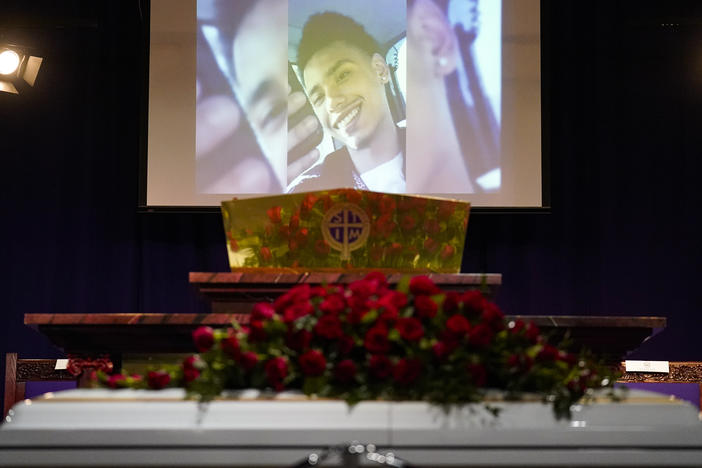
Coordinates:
(9, 61)
(18, 68)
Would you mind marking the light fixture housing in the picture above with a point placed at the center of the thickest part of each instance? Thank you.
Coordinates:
(18, 69)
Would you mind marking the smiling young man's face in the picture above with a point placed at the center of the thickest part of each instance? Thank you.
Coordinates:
(347, 89)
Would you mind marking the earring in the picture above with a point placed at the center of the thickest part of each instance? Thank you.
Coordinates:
(443, 61)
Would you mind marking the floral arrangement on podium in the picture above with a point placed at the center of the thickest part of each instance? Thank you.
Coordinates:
(345, 228)
(367, 341)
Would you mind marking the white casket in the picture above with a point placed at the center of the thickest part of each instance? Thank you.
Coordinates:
(144, 428)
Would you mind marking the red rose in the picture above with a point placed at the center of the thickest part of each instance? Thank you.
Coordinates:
(248, 360)
(230, 346)
(548, 353)
(568, 358)
(262, 311)
(158, 379)
(408, 222)
(516, 326)
(266, 254)
(299, 340)
(359, 307)
(307, 205)
(477, 374)
(294, 222)
(388, 315)
(276, 370)
(353, 196)
(473, 303)
(301, 237)
(299, 293)
(396, 298)
(407, 370)
(363, 288)
(445, 211)
(296, 311)
(431, 245)
(321, 247)
(380, 366)
(345, 371)
(384, 226)
(313, 363)
(378, 278)
(116, 380)
(190, 374)
(432, 227)
(376, 340)
(203, 337)
(345, 345)
(274, 214)
(425, 307)
(284, 231)
(191, 368)
(441, 350)
(452, 300)
(333, 304)
(458, 325)
(387, 204)
(257, 331)
(422, 285)
(532, 332)
(447, 251)
(410, 329)
(480, 335)
(493, 316)
(329, 327)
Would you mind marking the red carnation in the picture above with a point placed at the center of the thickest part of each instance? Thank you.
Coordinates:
(430, 245)
(447, 251)
(230, 346)
(378, 278)
(517, 326)
(203, 337)
(407, 370)
(425, 307)
(480, 335)
(299, 340)
(432, 227)
(363, 288)
(333, 304)
(345, 344)
(477, 374)
(158, 379)
(380, 366)
(458, 325)
(274, 214)
(359, 307)
(313, 363)
(422, 285)
(408, 222)
(307, 205)
(262, 311)
(345, 371)
(298, 293)
(376, 340)
(248, 360)
(266, 254)
(116, 380)
(329, 327)
(410, 329)
(276, 370)
(321, 247)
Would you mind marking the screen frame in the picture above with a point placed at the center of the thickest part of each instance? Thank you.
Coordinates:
(545, 53)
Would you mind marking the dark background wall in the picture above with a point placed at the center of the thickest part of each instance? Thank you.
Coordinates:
(624, 125)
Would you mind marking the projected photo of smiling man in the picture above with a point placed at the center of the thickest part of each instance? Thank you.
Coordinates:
(345, 77)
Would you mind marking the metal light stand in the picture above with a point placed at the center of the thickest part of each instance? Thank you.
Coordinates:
(350, 455)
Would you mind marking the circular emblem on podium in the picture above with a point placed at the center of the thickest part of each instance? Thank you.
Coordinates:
(345, 227)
